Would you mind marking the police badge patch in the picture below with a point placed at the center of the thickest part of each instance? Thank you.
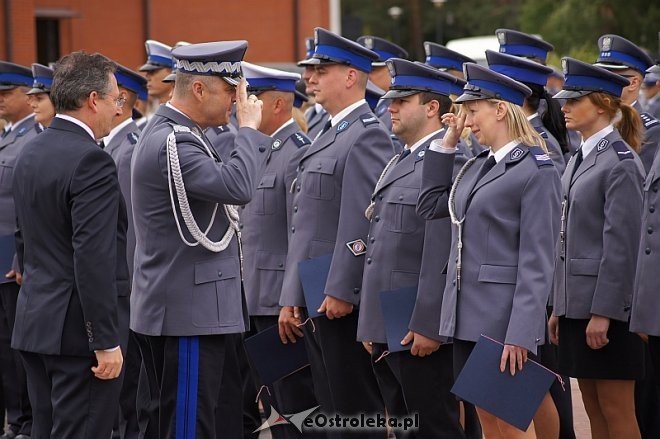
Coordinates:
(277, 144)
(357, 247)
(602, 144)
(342, 126)
(516, 153)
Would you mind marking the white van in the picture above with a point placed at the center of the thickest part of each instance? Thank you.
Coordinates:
(475, 47)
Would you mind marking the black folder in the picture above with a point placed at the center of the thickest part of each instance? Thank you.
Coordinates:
(313, 274)
(397, 306)
(272, 359)
(514, 399)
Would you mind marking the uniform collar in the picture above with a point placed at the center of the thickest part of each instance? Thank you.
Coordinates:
(107, 139)
(346, 111)
(286, 124)
(503, 151)
(423, 140)
(589, 144)
(532, 116)
(78, 122)
(10, 126)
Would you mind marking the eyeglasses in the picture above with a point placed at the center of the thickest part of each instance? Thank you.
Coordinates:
(119, 100)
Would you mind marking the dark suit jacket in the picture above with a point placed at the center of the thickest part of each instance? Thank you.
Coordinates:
(71, 242)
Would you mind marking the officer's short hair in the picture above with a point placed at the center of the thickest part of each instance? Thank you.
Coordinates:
(444, 101)
(77, 75)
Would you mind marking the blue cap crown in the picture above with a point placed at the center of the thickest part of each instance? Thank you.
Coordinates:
(517, 68)
(440, 57)
(220, 58)
(264, 78)
(159, 56)
(582, 78)
(385, 49)
(14, 75)
(132, 81)
(483, 83)
(332, 48)
(43, 79)
(618, 53)
(519, 43)
(413, 77)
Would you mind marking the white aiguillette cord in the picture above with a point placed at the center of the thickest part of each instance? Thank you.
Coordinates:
(458, 223)
(174, 176)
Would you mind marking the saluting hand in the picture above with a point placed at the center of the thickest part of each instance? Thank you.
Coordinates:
(248, 108)
(289, 324)
(597, 331)
(455, 125)
(515, 356)
(422, 346)
(109, 364)
(335, 308)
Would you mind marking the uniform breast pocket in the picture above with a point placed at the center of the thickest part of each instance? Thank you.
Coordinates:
(265, 198)
(319, 182)
(217, 294)
(400, 215)
(271, 275)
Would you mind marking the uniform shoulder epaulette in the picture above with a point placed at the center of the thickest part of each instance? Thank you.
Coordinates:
(300, 139)
(622, 150)
(220, 129)
(543, 134)
(541, 158)
(648, 120)
(369, 119)
(133, 138)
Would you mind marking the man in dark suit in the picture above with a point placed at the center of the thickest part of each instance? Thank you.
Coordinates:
(72, 311)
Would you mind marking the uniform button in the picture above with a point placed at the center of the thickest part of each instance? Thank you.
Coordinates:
(400, 197)
(301, 167)
(652, 209)
(372, 239)
(219, 273)
(376, 218)
(293, 229)
(295, 208)
(318, 166)
(280, 265)
(356, 291)
(241, 225)
(380, 197)
(453, 282)
(647, 251)
(368, 260)
(649, 230)
(298, 188)
(262, 148)
(655, 188)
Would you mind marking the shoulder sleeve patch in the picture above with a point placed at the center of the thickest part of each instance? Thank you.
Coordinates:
(648, 120)
(300, 139)
(369, 119)
(622, 151)
(540, 157)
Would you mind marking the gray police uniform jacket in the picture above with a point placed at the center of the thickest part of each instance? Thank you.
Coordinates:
(509, 236)
(10, 147)
(121, 149)
(650, 136)
(646, 298)
(551, 143)
(395, 246)
(222, 140)
(602, 209)
(264, 224)
(180, 290)
(337, 175)
(315, 122)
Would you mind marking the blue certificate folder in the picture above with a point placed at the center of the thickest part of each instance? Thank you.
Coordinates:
(313, 274)
(397, 306)
(513, 399)
(272, 359)
(7, 251)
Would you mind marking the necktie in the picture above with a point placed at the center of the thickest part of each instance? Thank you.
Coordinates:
(578, 160)
(326, 127)
(5, 132)
(487, 166)
(102, 144)
(404, 154)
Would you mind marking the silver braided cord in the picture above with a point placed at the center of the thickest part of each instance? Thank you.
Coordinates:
(175, 177)
(458, 223)
(369, 211)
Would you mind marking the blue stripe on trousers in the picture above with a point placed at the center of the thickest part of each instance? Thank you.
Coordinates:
(186, 398)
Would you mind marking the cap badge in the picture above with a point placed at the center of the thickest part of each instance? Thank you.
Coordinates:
(369, 43)
(607, 44)
(564, 66)
(501, 37)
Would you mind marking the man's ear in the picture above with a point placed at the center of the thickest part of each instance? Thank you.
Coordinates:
(198, 89)
(92, 101)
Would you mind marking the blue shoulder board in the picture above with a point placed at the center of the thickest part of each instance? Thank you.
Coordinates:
(648, 120)
(622, 150)
(543, 134)
(540, 157)
(133, 138)
(369, 119)
(300, 139)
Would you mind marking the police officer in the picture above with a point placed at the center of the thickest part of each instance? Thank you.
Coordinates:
(500, 267)
(516, 43)
(420, 379)
(316, 116)
(621, 56)
(15, 82)
(336, 176)
(651, 90)
(449, 61)
(597, 249)
(158, 65)
(186, 299)
(42, 106)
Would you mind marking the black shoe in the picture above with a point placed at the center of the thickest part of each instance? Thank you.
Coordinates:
(22, 436)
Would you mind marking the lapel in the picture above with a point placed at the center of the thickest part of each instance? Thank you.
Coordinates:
(328, 138)
(408, 164)
(17, 132)
(316, 118)
(602, 145)
(281, 138)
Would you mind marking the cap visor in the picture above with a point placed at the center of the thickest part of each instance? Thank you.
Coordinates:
(466, 97)
(231, 81)
(8, 86)
(394, 94)
(36, 91)
(149, 67)
(170, 78)
(571, 94)
(306, 62)
(610, 66)
(301, 96)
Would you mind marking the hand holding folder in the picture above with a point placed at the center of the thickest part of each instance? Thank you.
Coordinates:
(397, 307)
(313, 274)
(514, 399)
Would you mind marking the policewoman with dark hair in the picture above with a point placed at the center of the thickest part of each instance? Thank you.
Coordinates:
(597, 250)
(534, 75)
(504, 205)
